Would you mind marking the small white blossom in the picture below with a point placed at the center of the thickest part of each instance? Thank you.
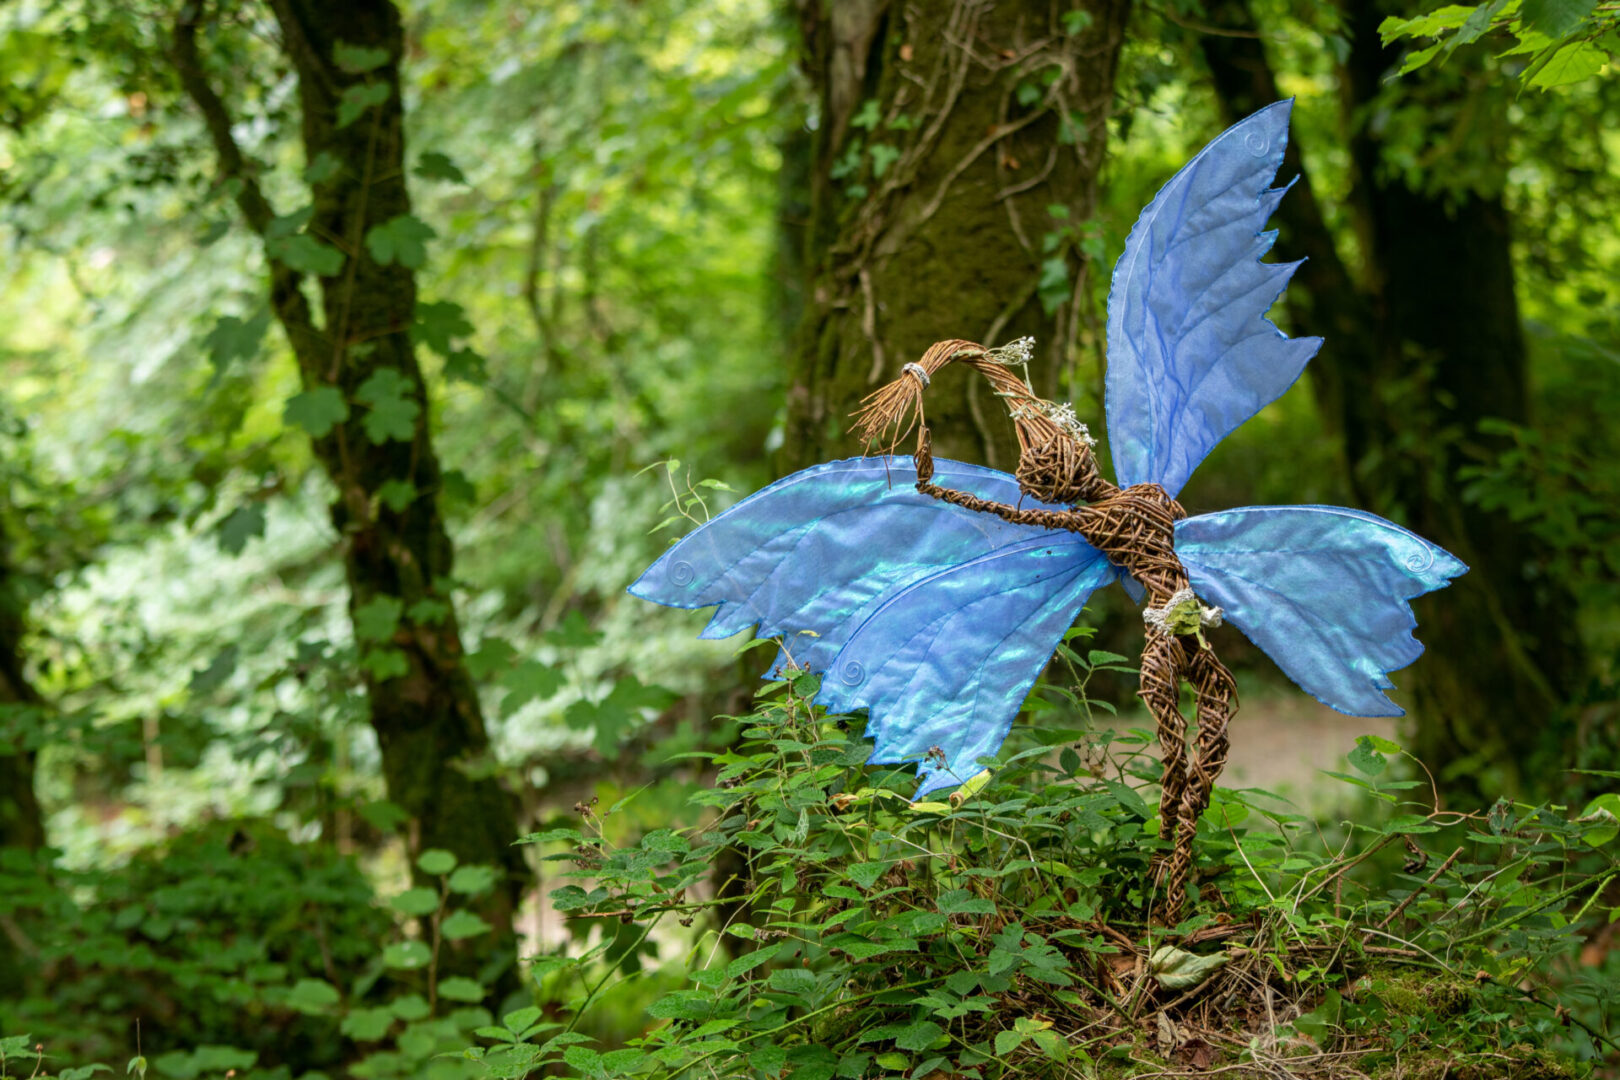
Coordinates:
(1014, 353)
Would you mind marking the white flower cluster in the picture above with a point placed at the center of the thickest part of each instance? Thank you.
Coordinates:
(1014, 353)
(1060, 413)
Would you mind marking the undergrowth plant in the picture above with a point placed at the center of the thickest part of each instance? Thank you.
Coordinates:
(1012, 929)
(815, 923)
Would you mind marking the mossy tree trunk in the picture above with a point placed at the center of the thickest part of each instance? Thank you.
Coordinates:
(948, 131)
(1422, 347)
(358, 353)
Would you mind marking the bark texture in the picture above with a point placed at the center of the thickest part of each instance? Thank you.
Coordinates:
(947, 128)
(427, 716)
(1421, 347)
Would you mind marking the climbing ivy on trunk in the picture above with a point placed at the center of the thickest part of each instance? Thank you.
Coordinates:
(952, 188)
(365, 406)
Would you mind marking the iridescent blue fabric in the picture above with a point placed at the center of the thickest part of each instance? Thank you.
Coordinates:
(1322, 589)
(1191, 354)
(947, 661)
(810, 557)
(938, 619)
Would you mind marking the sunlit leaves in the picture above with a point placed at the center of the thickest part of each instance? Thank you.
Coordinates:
(401, 239)
(317, 411)
(393, 411)
(1554, 18)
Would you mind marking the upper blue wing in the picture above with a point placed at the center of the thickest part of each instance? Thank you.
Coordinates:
(1191, 354)
(808, 557)
(1322, 589)
(947, 661)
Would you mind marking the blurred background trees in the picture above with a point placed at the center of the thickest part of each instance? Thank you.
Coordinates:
(295, 301)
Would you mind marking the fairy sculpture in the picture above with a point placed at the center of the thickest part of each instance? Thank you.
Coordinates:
(935, 606)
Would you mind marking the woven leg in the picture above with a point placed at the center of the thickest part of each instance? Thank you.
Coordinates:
(1162, 659)
(1217, 702)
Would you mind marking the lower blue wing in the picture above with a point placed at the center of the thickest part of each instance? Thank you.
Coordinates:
(1322, 589)
(809, 557)
(947, 661)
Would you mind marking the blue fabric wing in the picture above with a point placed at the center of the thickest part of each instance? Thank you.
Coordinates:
(810, 556)
(948, 660)
(1191, 354)
(1322, 589)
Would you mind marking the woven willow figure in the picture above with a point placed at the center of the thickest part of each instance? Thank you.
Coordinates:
(936, 605)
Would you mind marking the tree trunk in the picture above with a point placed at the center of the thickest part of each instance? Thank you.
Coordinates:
(397, 555)
(22, 826)
(948, 129)
(1416, 357)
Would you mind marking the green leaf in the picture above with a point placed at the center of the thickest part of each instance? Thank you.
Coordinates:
(1602, 819)
(393, 409)
(234, 339)
(529, 681)
(397, 495)
(241, 525)
(306, 254)
(357, 99)
(317, 411)
(461, 988)
(436, 166)
(83, 1072)
(408, 955)
(325, 166)
(520, 1019)
(440, 324)
(312, 996)
(1008, 1041)
(918, 1036)
(1554, 18)
(385, 664)
(378, 618)
(218, 671)
(1570, 64)
(401, 239)
(883, 156)
(463, 924)
(367, 1025)
(410, 1007)
(472, 880)
(492, 655)
(416, 902)
(1177, 969)
(436, 862)
(1366, 759)
(358, 59)
(796, 981)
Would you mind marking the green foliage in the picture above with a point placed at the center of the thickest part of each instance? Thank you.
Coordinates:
(1010, 931)
(1557, 42)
